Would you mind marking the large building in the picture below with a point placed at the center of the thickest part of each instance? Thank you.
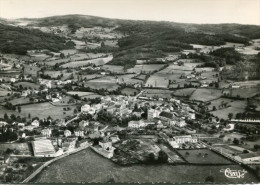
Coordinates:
(43, 148)
(152, 113)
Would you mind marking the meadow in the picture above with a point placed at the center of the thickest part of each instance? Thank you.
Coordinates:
(88, 167)
(204, 94)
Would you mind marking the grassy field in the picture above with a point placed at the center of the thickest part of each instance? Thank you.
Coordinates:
(129, 91)
(17, 101)
(4, 92)
(203, 156)
(114, 68)
(89, 167)
(43, 110)
(97, 61)
(205, 94)
(145, 68)
(184, 92)
(80, 93)
(27, 85)
(237, 106)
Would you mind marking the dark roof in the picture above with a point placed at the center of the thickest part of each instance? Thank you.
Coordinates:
(166, 114)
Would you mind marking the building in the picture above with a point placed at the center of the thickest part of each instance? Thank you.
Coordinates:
(185, 138)
(2, 123)
(253, 157)
(83, 124)
(79, 132)
(69, 144)
(152, 113)
(46, 132)
(43, 148)
(180, 123)
(35, 123)
(67, 133)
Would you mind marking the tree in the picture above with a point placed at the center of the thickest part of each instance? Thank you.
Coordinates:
(235, 141)
(29, 115)
(19, 109)
(6, 117)
(163, 157)
(209, 179)
(214, 108)
(230, 116)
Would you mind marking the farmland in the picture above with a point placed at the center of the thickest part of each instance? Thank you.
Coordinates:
(82, 167)
(129, 91)
(97, 61)
(235, 107)
(205, 94)
(43, 110)
(80, 93)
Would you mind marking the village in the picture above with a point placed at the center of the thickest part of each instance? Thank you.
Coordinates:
(185, 108)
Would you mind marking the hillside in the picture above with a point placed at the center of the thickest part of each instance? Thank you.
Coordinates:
(19, 40)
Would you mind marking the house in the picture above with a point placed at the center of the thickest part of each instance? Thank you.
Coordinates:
(180, 123)
(35, 123)
(83, 124)
(139, 124)
(67, 133)
(3, 123)
(26, 92)
(88, 109)
(79, 132)
(46, 132)
(185, 138)
(252, 157)
(152, 113)
(114, 138)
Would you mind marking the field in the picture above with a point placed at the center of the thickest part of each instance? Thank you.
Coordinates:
(145, 68)
(69, 51)
(80, 93)
(157, 93)
(91, 96)
(205, 94)
(114, 68)
(184, 92)
(203, 156)
(19, 101)
(89, 167)
(129, 91)
(97, 61)
(43, 110)
(237, 106)
(4, 92)
(107, 82)
(27, 85)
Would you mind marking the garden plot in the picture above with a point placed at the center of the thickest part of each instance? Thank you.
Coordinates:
(40, 57)
(245, 92)
(19, 101)
(205, 94)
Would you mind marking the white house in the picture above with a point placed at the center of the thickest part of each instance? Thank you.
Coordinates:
(46, 132)
(185, 138)
(35, 123)
(67, 133)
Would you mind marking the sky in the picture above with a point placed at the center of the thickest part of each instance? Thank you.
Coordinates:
(187, 11)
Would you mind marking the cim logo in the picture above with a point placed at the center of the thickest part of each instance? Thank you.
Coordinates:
(236, 174)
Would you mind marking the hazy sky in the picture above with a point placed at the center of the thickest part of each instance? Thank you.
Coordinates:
(189, 11)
